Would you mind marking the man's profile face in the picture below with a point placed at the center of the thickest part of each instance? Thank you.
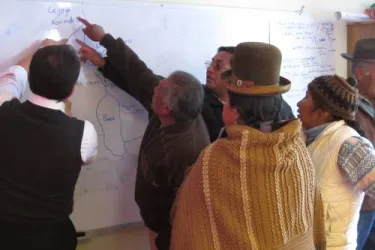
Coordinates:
(365, 74)
(220, 63)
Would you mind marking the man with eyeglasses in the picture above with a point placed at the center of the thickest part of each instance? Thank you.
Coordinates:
(215, 93)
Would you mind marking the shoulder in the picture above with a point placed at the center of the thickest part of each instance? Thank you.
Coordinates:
(355, 147)
(195, 130)
(220, 150)
(356, 156)
(200, 124)
(190, 142)
(9, 106)
(82, 128)
(343, 133)
(221, 147)
(357, 142)
(205, 154)
(17, 71)
(11, 103)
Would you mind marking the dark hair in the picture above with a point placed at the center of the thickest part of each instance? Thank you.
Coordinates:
(54, 71)
(185, 96)
(228, 49)
(254, 110)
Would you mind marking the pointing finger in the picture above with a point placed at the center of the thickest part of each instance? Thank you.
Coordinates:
(84, 45)
(84, 21)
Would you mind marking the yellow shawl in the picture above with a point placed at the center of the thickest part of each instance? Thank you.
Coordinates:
(252, 190)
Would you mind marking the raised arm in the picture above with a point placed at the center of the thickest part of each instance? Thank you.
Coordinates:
(109, 71)
(13, 81)
(137, 79)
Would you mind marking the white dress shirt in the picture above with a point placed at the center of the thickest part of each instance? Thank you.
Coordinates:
(13, 83)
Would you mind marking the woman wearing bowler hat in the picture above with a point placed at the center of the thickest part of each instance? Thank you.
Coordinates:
(254, 189)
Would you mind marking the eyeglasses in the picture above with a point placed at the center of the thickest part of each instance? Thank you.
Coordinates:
(217, 66)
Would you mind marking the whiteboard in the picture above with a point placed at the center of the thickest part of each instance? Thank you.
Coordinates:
(308, 49)
(168, 38)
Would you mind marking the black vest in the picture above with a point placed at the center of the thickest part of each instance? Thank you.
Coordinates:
(40, 160)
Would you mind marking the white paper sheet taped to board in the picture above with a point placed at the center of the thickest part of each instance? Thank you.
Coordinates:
(351, 17)
(308, 51)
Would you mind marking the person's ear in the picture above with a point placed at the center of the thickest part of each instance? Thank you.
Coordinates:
(324, 116)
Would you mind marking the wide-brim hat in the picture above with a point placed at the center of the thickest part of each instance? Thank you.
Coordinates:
(256, 70)
(364, 51)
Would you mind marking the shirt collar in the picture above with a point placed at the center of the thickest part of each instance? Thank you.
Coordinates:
(211, 99)
(312, 133)
(46, 103)
(366, 106)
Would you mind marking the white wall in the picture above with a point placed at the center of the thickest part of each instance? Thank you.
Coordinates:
(314, 6)
(320, 9)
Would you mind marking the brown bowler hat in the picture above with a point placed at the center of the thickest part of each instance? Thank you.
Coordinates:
(364, 51)
(256, 70)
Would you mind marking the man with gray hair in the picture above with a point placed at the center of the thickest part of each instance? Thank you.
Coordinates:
(363, 71)
(175, 135)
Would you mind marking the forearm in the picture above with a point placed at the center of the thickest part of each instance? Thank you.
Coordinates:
(25, 63)
(112, 74)
(137, 78)
(13, 83)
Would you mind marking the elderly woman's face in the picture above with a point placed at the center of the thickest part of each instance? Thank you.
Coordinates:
(309, 115)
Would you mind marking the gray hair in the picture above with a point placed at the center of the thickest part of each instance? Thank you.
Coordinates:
(184, 96)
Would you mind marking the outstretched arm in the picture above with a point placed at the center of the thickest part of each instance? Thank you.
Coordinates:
(13, 81)
(137, 79)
